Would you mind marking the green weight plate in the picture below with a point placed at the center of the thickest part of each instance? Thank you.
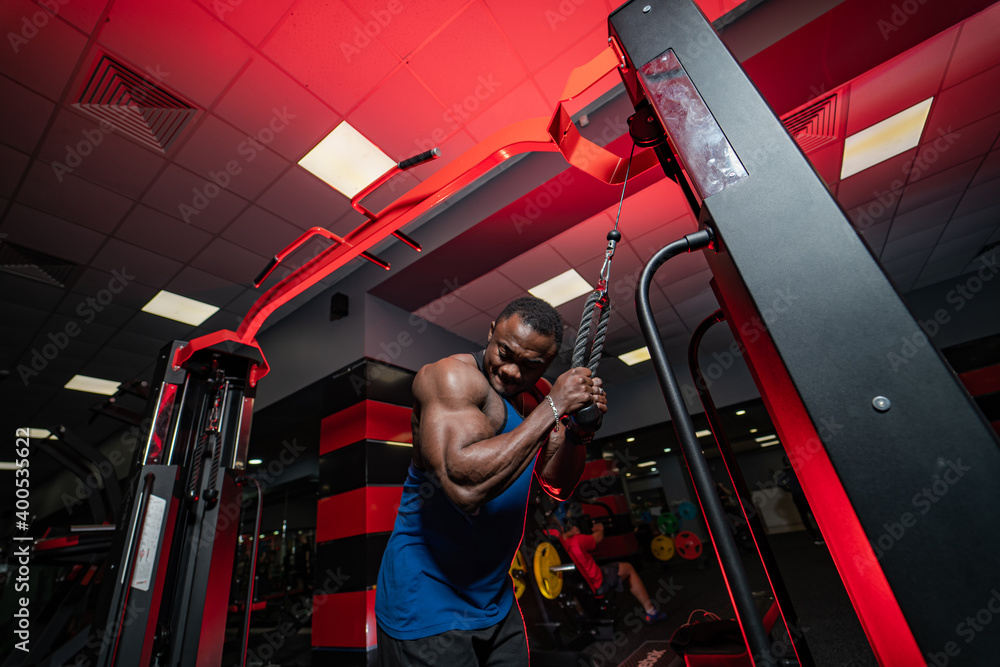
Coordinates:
(668, 523)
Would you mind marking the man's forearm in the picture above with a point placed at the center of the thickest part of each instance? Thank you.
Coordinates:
(565, 458)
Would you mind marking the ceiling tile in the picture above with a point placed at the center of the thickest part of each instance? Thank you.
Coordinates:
(147, 267)
(323, 44)
(177, 40)
(920, 243)
(660, 208)
(73, 198)
(82, 13)
(552, 77)
(149, 228)
(12, 166)
(230, 261)
(946, 148)
(42, 49)
(979, 197)
(181, 194)
(586, 241)
(464, 83)
(687, 288)
(965, 103)
(261, 232)
(476, 328)
(136, 344)
(401, 25)
(983, 219)
(694, 310)
(871, 214)
(51, 235)
(874, 236)
(883, 181)
(978, 47)
(253, 19)
(276, 111)
(21, 124)
(154, 326)
(541, 31)
(29, 292)
(205, 287)
(447, 311)
(534, 267)
(962, 249)
(900, 83)
(80, 145)
(490, 293)
(122, 364)
(223, 320)
(88, 311)
(522, 102)
(400, 112)
(989, 170)
(939, 186)
(933, 215)
(231, 160)
(244, 301)
(304, 200)
(24, 317)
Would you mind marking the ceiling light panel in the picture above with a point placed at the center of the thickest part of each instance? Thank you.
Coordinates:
(563, 288)
(179, 308)
(346, 160)
(92, 385)
(635, 356)
(884, 140)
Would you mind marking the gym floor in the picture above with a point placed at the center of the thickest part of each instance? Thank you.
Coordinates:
(826, 617)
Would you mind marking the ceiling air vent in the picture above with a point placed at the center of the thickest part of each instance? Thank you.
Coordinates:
(134, 105)
(35, 265)
(814, 125)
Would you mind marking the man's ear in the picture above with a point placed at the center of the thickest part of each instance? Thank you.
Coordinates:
(493, 326)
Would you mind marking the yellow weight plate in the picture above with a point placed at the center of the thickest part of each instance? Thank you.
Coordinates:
(663, 547)
(519, 575)
(549, 582)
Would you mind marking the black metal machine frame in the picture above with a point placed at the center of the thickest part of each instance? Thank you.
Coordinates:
(819, 321)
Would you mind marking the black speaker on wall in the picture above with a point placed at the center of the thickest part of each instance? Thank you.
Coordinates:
(338, 306)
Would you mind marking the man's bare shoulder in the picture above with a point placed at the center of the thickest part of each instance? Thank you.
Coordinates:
(454, 376)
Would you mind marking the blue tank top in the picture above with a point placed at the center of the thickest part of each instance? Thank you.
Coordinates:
(444, 569)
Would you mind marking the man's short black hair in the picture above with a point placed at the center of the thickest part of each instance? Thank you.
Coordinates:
(537, 314)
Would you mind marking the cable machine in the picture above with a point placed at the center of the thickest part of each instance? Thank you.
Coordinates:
(818, 321)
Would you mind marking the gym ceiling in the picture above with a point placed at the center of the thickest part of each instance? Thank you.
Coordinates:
(265, 80)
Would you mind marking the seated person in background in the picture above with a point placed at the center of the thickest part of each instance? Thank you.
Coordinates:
(604, 579)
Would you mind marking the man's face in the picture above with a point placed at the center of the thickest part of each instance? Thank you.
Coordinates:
(516, 356)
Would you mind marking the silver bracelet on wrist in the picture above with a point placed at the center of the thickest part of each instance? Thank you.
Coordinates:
(555, 413)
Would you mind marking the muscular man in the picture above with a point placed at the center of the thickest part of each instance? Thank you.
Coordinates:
(444, 595)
